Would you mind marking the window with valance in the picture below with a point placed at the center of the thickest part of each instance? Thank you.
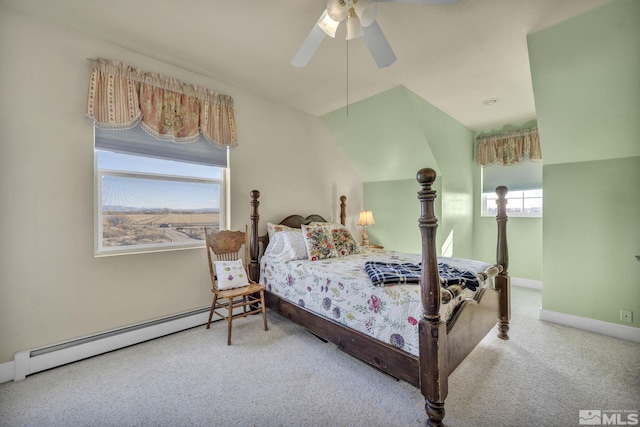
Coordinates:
(158, 183)
(513, 159)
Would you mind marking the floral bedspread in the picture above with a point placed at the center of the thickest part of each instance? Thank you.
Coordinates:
(340, 289)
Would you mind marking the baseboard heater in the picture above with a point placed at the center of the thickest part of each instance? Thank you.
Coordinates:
(29, 362)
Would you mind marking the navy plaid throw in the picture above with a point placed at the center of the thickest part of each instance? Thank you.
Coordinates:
(387, 273)
(383, 273)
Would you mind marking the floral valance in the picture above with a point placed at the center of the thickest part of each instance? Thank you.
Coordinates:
(121, 97)
(509, 148)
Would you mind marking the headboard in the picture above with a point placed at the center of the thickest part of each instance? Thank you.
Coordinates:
(293, 221)
(297, 221)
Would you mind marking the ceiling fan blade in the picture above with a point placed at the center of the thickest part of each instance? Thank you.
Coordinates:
(418, 1)
(378, 45)
(309, 47)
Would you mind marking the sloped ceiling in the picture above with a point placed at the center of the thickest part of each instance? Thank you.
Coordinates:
(382, 137)
(392, 135)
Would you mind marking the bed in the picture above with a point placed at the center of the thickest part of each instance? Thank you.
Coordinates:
(442, 319)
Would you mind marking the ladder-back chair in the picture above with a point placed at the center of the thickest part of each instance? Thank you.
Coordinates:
(231, 286)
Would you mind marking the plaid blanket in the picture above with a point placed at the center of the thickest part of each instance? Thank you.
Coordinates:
(383, 273)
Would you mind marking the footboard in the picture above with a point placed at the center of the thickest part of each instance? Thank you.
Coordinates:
(469, 325)
(475, 318)
(444, 346)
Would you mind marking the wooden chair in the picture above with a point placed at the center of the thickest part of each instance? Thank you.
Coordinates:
(226, 246)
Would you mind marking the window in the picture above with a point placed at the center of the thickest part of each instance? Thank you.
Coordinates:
(155, 195)
(524, 181)
(520, 203)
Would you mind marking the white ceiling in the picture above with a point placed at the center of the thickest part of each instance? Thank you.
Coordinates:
(453, 56)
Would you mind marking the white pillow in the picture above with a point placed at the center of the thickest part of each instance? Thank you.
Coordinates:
(272, 229)
(286, 246)
(230, 274)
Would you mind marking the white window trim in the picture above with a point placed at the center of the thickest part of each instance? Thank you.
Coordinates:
(511, 214)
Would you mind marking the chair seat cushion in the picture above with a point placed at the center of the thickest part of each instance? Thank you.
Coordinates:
(230, 274)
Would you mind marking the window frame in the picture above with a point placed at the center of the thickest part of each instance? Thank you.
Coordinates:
(522, 214)
(100, 251)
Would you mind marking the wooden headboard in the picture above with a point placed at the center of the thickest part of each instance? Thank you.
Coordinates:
(293, 221)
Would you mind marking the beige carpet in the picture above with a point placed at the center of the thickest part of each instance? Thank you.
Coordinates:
(543, 376)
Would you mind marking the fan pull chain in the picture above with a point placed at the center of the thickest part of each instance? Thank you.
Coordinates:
(347, 78)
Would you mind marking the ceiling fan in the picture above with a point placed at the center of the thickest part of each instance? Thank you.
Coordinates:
(361, 21)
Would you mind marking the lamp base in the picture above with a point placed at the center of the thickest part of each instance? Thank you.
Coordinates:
(365, 237)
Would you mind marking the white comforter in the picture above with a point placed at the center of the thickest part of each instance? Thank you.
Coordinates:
(340, 289)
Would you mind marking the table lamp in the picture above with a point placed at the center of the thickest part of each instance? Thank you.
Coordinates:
(366, 218)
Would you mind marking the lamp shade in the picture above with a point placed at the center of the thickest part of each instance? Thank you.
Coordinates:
(366, 218)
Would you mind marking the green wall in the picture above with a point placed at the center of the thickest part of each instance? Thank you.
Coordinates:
(452, 146)
(524, 237)
(382, 137)
(592, 238)
(396, 210)
(586, 80)
(388, 138)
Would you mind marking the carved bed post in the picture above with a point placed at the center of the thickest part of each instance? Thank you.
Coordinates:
(254, 244)
(343, 210)
(502, 280)
(432, 330)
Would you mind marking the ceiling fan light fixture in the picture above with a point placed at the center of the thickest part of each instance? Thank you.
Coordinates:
(366, 11)
(354, 29)
(337, 9)
(328, 25)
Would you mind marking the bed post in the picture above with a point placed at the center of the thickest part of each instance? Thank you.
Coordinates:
(343, 210)
(432, 330)
(502, 280)
(254, 244)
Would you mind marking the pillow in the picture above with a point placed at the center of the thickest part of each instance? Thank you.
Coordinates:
(286, 246)
(274, 228)
(344, 242)
(319, 242)
(230, 274)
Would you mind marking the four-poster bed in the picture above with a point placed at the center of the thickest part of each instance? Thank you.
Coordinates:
(440, 345)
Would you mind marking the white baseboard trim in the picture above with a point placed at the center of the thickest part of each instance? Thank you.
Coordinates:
(30, 361)
(526, 283)
(6, 372)
(624, 332)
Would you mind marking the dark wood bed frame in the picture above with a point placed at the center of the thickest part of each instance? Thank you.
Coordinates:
(442, 346)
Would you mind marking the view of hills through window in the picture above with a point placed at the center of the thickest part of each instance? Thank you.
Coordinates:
(147, 202)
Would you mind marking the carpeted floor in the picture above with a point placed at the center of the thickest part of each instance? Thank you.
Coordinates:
(543, 376)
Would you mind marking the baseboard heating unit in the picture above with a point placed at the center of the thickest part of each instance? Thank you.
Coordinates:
(29, 362)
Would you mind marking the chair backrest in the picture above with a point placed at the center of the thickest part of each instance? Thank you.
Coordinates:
(225, 245)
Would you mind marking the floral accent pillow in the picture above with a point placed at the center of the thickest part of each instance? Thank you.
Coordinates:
(344, 242)
(274, 228)
(287, 246)
(230, 274)
(319, 242)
